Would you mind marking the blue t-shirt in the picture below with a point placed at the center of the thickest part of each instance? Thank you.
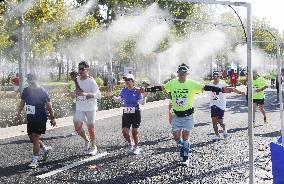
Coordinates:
(131, 97)
(35, 99)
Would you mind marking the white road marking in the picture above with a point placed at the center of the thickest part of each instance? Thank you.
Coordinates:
(71, 165)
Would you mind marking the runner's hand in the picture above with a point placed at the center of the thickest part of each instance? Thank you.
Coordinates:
(145, 94)
(243, 94)
(258, 90)
(89, 96)
(53, 122)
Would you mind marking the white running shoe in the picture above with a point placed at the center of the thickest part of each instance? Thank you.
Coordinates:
(185, 163)
(216, 138)
(33, 164)
(87, 145)
(130, 148)
(136, 150)
(226, 135)
(93, 151)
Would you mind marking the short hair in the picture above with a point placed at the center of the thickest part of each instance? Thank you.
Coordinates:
(73, 73)
(84, 63)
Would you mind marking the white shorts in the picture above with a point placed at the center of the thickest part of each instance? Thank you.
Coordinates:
(88, 116)
(185, 123)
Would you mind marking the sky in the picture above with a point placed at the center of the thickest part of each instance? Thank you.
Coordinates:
(272, 10)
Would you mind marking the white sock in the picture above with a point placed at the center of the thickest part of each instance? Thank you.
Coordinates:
(34, 158)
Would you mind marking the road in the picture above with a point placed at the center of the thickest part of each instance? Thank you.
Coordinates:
(225, 161)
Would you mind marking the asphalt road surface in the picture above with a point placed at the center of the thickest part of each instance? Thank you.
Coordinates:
(225, 161)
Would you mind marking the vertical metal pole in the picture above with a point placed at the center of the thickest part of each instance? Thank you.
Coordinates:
(279, 76)
(159, 71)
(22, 58)
(250, 104)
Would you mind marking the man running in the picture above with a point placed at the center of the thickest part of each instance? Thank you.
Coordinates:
(272, 78)
(16, 83)
(87, 93)
(35, 99)
(131, 97)
(218, 107)
(259, 85)
(183, 93)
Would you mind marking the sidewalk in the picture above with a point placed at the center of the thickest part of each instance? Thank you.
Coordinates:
(15, 131)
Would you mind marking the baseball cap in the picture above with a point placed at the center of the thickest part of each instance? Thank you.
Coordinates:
(183, 68)
(128, 76)
(215, 74)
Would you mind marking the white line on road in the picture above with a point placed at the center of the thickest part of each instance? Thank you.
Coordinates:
(72, 165)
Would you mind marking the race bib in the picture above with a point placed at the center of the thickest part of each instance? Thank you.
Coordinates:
(81, 98)
(30, 109)
(181, 102)
(128, 110)
(215, 97)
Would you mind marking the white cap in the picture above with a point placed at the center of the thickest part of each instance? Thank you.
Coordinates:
(128, 76)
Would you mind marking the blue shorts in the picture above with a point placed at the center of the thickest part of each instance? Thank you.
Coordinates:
(217, 112)
(182, 123)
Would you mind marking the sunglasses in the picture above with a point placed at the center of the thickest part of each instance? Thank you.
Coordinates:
(83, 69)
(127, 79)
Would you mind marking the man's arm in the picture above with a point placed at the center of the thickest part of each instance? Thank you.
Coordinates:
(20, 108)
(51, 113)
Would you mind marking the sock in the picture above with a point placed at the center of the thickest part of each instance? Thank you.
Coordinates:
(34, 158)
(44, 148)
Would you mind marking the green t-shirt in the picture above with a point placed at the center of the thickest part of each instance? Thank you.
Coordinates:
(259, 83)
(273, 75)
(183, 93)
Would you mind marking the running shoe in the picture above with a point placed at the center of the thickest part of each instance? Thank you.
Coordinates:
(216, 138)
(136, 150)
(87, 145)
(33, 164)
(93, 151)
(46, 152)
(226, 135)
(185, 161)
(130, 148)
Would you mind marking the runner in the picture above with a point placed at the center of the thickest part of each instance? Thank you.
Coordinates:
(35, 99)
(183, 93)
(272, 78)
(87, 93)
(71, 90)
(259, 85)
(218, 107)
(234, 78)
(16, 83)
(132, 97)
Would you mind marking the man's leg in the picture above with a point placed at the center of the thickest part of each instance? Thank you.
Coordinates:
(90, 116)
(261, 108)
(215, 125)
(135, 136)
(78, 124)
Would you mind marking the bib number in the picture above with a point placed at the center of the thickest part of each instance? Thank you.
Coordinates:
(181, 102)
(128, 110)
(81, 98)
(30, 109)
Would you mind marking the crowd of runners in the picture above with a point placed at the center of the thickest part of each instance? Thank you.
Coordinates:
(85, 92)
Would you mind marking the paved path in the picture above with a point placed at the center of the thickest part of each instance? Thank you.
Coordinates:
(225, 161)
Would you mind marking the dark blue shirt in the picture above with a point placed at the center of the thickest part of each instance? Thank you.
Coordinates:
(35, 99)
(131, 97)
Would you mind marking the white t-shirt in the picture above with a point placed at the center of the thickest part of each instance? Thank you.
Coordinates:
(88, 85)
(220, 99)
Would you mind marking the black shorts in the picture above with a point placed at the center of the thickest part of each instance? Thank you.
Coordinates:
(131, 119)
(36, 127)
(258, 101)
(217, 112)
